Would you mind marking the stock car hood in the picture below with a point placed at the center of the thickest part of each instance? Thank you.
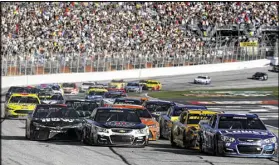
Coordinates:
(61, 122)
(247, 133)
(132, 87)
(118, 124)
(51, 101)
(19, 106)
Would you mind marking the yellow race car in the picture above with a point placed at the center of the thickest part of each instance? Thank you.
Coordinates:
(117, 84)
(184, 132)
(20, 104)
(153, 85)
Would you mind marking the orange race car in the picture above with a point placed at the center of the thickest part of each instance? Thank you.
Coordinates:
(146, 118)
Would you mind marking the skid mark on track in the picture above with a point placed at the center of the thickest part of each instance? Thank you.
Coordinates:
(100, 153)
(121, 156)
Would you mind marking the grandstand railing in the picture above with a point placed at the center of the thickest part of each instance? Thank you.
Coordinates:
(86, 62)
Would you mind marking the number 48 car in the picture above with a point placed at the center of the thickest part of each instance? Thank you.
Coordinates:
(241, 135)
(114, 126)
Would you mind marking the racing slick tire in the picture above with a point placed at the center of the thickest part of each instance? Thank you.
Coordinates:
(216, 148)
(184, 140)
(201, 146)
(173, 144)
(83, 137)
(26, 136)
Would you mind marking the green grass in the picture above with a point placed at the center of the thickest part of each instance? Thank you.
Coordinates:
(179, 94)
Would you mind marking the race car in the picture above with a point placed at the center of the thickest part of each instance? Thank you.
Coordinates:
(20, 104)
(52, 98)
(126, 100)
(96, 94)
(143, 84)
(184, 132)
(146, 118)
(172, 115)
(17, 89)
(260, 76)
(115, 127)
(133, 87)
(117, 84)
(70, 88)
(84, 86)
(157, 107)
(240, 135)
(97, 87)
(84, 108)
(202, 80)
(275, 68)
(110, 97)
(153, 85)
(57, 89)
(53, 122)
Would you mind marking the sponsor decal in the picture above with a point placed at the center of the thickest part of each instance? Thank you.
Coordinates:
(57, 119)
(246, 132)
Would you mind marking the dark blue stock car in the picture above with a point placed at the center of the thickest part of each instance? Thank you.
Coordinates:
(241, 135)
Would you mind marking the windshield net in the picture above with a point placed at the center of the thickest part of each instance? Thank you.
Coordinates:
(23, 99)
(117, 115)
(55, 112)
(240, 123)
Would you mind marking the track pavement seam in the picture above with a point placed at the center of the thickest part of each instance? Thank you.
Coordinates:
(121, 156)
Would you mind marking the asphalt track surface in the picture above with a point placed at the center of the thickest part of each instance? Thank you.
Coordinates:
(17, 150)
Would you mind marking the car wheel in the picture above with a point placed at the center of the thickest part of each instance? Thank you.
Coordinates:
(83, 137)
(173, 144)
(216, 150)
(26, 135)
(201, 146)
(184, 140)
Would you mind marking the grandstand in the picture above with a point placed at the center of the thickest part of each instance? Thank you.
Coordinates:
(65, 37)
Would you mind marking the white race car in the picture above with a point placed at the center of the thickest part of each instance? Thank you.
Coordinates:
(202, 80)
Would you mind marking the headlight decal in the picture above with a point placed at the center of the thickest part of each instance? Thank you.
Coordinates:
(227, 138)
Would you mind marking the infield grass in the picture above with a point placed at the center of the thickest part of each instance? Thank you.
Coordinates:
(180, 94)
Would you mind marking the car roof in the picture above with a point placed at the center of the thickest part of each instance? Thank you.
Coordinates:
(127, 98)
(202, 112)
(129, 106)
(237, 115)
(110, 108)
(158, 101)
(51, 105)
(80, 100)
(190, 106)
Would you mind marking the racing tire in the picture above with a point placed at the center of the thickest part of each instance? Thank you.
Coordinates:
(173, 144)
(216, 150)
(83, 137)
(201, 146)
(184, 140)
(26, 136)
(146, 143)
(32, 136)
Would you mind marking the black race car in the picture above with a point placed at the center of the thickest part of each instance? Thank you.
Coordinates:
(260, 76)
(158, 107)
(53, 121)
(84, 108)
(114, 126)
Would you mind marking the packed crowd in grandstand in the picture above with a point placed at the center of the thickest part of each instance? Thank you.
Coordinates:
(55, 30)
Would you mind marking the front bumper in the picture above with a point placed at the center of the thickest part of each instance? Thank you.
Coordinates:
(119, 139)
(46, 133)
(248, 150)
(17, 113)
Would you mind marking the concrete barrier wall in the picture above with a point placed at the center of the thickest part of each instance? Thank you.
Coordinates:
(8, 81)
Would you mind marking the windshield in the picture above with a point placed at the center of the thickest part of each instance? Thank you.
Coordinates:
(114, 95)
(68, 85)
(88, 84)
(55, 112)
(201, 77)
(134, 102)
(23, 99)
(152, 83)
(158, 107)
(51, 97)
(117, 115)
(93, 93)
(133, 84)
(56, 88)
(82, 105)
(18, 90)
(240, 123)
(143, 113)
(196, 118)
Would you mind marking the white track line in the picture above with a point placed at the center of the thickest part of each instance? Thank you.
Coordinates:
(272, 126)
(259, 110)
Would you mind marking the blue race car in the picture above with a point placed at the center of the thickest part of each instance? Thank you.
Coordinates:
(95, 95)
(241, 135)
(172, 115)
